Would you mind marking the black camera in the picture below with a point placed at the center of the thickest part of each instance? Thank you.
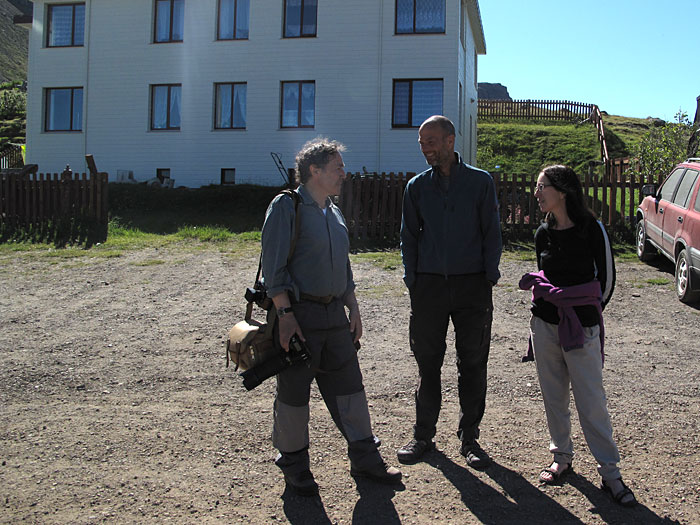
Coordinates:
(258, 295)
(298, 353)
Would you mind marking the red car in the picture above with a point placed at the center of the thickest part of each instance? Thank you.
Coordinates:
(668, 220)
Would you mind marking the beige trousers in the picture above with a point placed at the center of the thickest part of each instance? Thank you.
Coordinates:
(582, 369)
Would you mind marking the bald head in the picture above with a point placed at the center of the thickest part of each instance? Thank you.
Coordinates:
(441, 122)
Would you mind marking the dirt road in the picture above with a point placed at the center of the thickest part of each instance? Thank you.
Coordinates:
(116, 406)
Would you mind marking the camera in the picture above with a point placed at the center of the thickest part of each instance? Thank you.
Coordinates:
(298, 353)
(258, 295)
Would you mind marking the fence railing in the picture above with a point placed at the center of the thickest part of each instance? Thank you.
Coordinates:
(564, 110)
(11, 156)
(372, 204)
(35, 200)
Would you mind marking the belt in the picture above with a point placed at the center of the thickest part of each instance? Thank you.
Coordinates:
(326, 299)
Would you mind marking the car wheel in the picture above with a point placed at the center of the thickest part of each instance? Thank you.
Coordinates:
(684, 284)
(645, 251)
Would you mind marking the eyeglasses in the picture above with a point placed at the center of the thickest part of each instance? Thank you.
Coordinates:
(541, 187)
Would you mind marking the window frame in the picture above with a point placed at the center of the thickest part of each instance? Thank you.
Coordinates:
(235, 19)
(411, 81)
(233, 98)
(170, 39)
(47, 109)
(49, 9)
(415, 32)
(685, 189)
(301, 22)
(300, 83)
(153, 93)
(224, 182)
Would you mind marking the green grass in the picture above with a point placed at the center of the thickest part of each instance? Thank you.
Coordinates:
(386, 260)
(528, 147)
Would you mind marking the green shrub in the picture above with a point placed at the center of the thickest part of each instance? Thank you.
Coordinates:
(13, 104)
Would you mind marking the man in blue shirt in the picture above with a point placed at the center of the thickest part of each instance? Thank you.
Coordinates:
(451, 248)
(310, 291)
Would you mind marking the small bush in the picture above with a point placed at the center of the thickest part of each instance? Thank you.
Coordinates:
(13, 104)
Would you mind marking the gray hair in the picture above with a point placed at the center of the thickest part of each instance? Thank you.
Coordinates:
(317, 152)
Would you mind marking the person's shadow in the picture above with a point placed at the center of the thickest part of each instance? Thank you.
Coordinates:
(519, 502)
(611, 512)
(374, 505)
(301, 510)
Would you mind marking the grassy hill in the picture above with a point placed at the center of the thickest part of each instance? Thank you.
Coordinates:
(526, 147)
(13, 44)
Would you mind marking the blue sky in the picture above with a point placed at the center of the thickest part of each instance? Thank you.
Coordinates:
(635, 58)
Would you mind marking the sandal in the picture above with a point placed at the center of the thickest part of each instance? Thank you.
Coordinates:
(621, 494)
(557, 475)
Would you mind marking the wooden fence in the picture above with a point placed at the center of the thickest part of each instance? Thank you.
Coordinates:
(34, 200)
(372, 204)
(534, 110)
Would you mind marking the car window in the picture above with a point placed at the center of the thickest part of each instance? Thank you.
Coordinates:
(685, 188)
(669, 187)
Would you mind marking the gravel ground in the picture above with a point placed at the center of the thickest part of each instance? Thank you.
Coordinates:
(117, 407)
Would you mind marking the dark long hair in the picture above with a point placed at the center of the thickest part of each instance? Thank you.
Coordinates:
(565, 180)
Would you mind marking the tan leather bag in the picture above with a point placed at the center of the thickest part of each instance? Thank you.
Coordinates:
(249, 344)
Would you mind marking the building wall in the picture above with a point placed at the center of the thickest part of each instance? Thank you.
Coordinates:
(353, 64)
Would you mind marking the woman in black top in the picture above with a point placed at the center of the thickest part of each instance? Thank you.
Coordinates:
(575, 282)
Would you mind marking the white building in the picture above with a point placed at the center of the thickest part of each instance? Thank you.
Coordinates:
(205, 87)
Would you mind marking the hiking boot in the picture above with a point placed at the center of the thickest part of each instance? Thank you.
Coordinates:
(476, 457)
(380, 472)
(302, 483)
(411, 453)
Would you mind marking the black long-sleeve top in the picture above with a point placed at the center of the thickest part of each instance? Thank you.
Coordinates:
(574, 256)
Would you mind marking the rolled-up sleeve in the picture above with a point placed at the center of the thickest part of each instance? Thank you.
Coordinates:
(277, 233)
(410, 227)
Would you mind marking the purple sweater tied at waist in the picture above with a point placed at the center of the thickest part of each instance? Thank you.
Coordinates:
(571, 334)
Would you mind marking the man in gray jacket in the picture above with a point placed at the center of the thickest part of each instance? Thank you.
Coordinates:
(310, 292)
(451, 248)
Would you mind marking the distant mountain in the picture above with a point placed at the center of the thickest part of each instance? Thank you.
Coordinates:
(491, 91)
(13, 40)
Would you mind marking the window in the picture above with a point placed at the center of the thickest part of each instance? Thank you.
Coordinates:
(234, 16)
(64, 109)
(685, 189)
(420, 16)
(414, 101)
(460, 106)
(66, 25)
(300, 18)
(230, 106)
(463, 25)
(163, 174)
(165, 106)
(298, 100)
(169, 21)
(669, 187)
(228, 176)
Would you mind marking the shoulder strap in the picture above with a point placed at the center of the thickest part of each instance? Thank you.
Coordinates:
(297, 221)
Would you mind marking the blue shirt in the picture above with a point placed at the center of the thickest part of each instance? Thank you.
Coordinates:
(320, 264)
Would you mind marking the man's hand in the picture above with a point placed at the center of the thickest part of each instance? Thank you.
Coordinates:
(356, 324)
(288, 326)
(355, 319)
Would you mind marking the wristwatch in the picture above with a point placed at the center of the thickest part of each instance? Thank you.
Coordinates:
(282, 311)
